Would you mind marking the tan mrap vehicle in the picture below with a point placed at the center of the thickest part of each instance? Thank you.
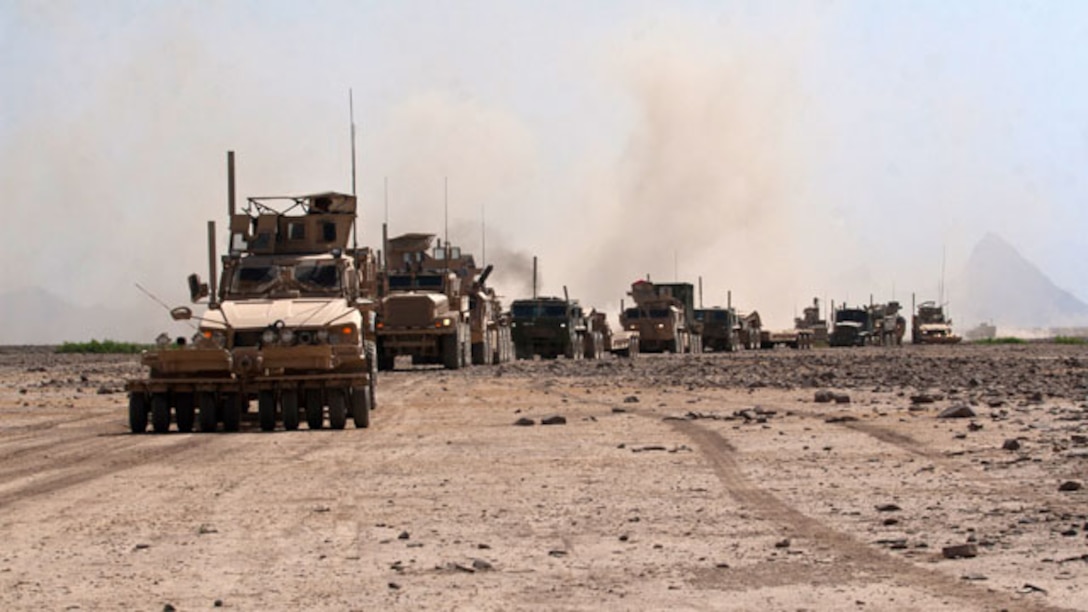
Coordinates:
(290, 325)
(424, 311)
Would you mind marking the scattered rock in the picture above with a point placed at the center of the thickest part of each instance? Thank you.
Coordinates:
(482, 566)
(973, 426)
(394, 586)
(1012, 444)
(404, 535)
(1031, 588)
(554, 420)
(888, 508)
(524, 422)
(624, 537)
(630, 399)
(960, 551)
(823, 396)
(141, 546)
(169, 608)
(782, 543)
(557, 553)
(959, 411)
(1071, 485)
(842, 398)
(841, 419)
(618, 410)
(642, 449)
(106, 391)
(924, 398)
(217, 603)
(888, 522)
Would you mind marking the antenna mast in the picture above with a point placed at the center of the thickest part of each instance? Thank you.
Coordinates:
(446, 209)
(483, 235)
(351, 120)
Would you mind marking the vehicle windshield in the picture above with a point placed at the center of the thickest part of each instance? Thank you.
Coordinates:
(539, 311)
(306, 277)
(424, 282)
(857, 316)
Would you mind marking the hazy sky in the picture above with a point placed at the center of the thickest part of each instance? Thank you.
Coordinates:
(782, 150)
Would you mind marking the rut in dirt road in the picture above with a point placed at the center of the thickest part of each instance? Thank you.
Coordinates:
(721, 456)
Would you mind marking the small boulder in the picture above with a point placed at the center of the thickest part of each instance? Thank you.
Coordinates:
(960, 551)
(554, 420)
(823, 396)
(630, 399)
(1070, 485)
(524, 422)
(842, 398)
(1012, 444)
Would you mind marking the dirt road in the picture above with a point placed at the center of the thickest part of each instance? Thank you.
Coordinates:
(695, 482)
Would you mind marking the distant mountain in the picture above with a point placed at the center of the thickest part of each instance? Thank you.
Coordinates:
(998, 285)
(36, 316)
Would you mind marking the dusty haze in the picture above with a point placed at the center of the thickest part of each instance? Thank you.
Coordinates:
(782, 153)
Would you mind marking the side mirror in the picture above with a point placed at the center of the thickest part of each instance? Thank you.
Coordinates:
(181, 313)
(197, 289)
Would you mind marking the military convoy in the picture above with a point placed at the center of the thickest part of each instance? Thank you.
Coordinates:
(289, 324)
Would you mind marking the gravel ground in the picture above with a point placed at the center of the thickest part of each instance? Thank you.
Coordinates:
(906, 478)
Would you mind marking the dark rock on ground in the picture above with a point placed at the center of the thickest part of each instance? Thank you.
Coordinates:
(959, 411)
(554, 420)
(524, 422)
(960, 551)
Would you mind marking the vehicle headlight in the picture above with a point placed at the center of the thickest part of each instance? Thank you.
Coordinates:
(661, 326)
(563, 325)
(322, 335)
(445, 322)
(305, 337)
(269, 336)
(287, 336)
(219, 338)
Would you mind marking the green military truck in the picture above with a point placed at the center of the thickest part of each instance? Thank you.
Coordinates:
(553, 326)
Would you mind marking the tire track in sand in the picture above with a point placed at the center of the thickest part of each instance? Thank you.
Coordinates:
(721, 456)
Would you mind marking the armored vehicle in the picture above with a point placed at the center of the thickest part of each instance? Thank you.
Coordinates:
(930, 326)
(553, 326)
(812, 322)
(425, 310)
(621, 343)
(290, 325)
(852, 327)
(888, 325)
(664, 317)
(721, 328)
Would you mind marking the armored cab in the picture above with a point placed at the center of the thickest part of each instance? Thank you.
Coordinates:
(931, 326)
(852, 327)
(664, 317)
(289, 324)
(720, 328)
(552, 326)
(425, 311)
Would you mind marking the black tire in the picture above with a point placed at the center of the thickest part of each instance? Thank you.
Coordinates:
(670, 346)
(160, 413)
(184, 412)
(386, 362)
(451, 352)
(232, 412)
(137, 412)
(289, 406)
(208, 412)
(372, 387)
(478, 353)
(338, 408)
(360, 407)
(315, 413)
(266, 409)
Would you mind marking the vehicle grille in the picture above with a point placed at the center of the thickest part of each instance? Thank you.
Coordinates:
(409, 311)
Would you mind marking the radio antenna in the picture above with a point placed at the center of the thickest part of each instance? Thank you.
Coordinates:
(351, 120)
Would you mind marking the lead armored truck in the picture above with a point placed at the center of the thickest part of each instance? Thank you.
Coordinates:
(289, 326)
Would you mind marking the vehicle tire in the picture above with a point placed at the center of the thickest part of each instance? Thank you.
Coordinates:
(289, 406)
(386, 363)
(160, 413)
(670, 346)
(315, 413)
(478, 352)
(338, 408)
(266, 409)
(184, 412)
(360, 407)
(208, 416)
(451, 352)
(137, 412)
(232, 411)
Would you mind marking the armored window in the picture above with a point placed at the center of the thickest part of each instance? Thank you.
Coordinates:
(328, 232)
(296, 231)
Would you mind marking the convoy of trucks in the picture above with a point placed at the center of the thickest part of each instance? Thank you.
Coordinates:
(299, 322)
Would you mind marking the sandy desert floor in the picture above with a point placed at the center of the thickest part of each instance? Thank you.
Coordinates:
(701, 482)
